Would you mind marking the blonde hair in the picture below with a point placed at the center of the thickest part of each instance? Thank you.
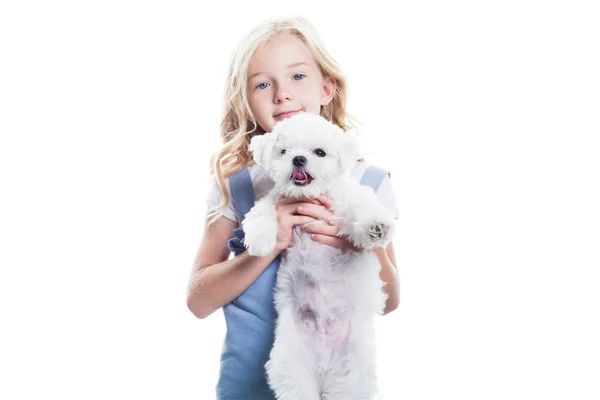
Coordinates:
(239, 125)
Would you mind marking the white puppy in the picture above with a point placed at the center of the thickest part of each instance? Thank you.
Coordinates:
(326, 298)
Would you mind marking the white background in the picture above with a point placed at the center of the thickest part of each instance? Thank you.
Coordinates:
(487, 114)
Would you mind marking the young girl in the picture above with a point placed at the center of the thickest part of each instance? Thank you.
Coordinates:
(281, 68)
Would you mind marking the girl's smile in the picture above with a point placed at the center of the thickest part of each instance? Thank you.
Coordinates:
(286, 114)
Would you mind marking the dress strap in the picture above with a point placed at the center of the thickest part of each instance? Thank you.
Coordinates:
(373, 177)
(242, 192)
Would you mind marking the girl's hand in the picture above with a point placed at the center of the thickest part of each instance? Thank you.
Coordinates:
(326, 234)
(287, 218)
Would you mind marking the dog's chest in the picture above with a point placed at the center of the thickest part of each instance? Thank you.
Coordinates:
(319, 260)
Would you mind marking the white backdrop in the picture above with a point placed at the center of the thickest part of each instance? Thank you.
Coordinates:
(487, 114)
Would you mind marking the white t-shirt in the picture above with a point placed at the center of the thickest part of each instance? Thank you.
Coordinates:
(262, 184)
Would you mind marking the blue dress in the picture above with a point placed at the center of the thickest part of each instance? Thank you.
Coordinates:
(250, 318)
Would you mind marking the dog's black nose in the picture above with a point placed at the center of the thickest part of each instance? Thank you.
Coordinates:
(299, 161)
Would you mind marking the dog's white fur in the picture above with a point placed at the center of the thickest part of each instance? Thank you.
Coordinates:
(326, 298)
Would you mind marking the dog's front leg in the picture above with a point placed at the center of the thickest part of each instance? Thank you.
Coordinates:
(260, 227)
(361, 217)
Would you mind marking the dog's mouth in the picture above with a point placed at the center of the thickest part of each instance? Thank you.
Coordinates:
(301, 178)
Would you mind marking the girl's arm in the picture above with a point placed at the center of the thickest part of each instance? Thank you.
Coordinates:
(389, 275)
(215, 280)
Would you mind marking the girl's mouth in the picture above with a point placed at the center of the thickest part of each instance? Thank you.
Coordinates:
(286, 114)
(301, 178)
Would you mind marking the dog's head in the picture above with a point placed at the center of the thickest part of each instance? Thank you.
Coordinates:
(305, 154)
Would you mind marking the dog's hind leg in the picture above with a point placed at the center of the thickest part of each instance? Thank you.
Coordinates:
(291, 366)
(352, 376)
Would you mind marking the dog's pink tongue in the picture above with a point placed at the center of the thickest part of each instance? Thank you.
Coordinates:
(300, 176)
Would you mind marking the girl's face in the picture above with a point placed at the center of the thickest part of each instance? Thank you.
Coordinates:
(283, 79)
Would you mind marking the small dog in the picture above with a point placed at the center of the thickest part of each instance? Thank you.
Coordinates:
(326, 298)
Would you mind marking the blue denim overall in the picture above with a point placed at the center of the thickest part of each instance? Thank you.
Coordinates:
(250, 318)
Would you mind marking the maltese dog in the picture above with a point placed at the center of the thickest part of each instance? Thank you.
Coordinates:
(326, 298)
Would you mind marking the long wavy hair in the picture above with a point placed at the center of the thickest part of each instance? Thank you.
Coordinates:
(238, 124)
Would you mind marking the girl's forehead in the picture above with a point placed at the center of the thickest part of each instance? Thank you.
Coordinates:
(281, 50)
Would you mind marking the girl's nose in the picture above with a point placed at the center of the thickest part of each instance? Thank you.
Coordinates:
(282, 93)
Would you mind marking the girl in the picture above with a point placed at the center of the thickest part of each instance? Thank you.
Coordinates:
(281, 68)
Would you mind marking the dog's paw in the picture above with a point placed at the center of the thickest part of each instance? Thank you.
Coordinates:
(372, 232)
(376, 234)
(260, 236)
(378, 231)
(260, 248)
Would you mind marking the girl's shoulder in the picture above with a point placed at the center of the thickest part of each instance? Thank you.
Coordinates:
(261, 184)
(361, 167)
(385, 192)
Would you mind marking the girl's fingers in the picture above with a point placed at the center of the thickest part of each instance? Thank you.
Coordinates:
(287, 209)
(325, 200)
(294, 220)
(320, 229)
(334, 242)
(318, 212)
(290, 200)
(312, 201)
(282, 201)
(291, 209)
(329, 240)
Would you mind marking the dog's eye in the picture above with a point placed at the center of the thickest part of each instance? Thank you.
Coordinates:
(283, 151)
(320, 153)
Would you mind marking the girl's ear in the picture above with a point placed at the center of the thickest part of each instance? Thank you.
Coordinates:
(350, 152)
(261, 147)
(328, 90)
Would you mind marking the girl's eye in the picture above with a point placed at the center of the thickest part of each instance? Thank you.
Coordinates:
(283, 151)
(320, 153)
(261, 86)
(299, 77)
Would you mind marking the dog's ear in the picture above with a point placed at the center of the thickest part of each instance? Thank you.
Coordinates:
(261, 147)
(350, 152)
